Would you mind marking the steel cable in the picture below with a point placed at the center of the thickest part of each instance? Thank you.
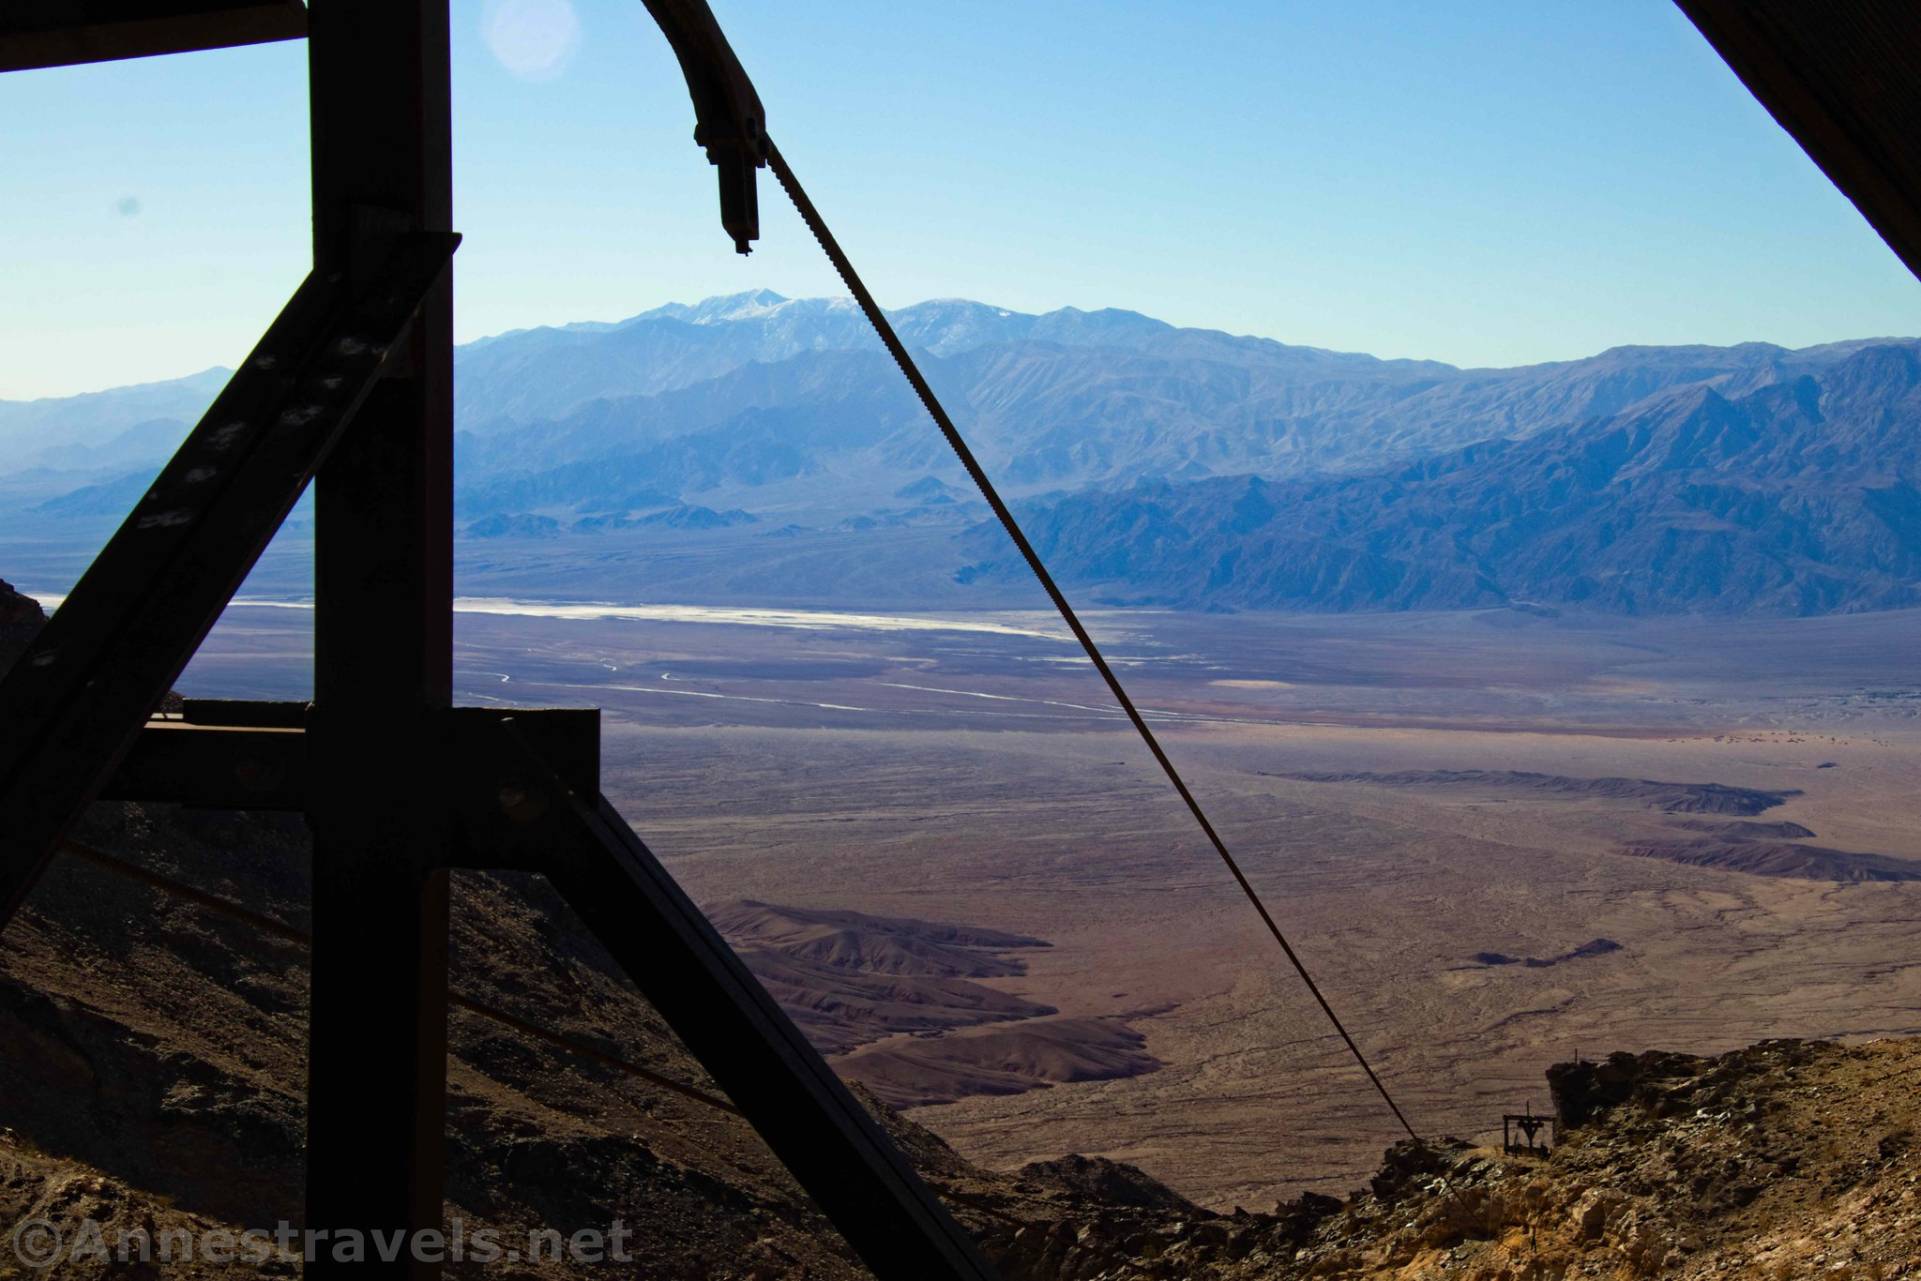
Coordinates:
(885, 329)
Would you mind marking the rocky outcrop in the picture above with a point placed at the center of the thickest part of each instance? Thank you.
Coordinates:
(20, 621)
(1790, 1159)
(1103, 1182)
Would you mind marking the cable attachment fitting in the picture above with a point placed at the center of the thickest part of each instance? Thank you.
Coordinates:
(729, 123)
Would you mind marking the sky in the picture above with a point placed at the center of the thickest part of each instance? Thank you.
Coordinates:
(1486, 182)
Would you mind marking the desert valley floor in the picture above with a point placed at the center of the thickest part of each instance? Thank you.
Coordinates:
(1489, 834)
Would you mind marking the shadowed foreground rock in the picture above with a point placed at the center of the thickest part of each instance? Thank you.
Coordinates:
(150, 1060)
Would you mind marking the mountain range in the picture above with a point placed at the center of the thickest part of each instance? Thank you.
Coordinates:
(1177, 466)
(1798, 498)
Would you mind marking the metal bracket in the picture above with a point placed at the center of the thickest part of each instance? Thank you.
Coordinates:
(729, 122)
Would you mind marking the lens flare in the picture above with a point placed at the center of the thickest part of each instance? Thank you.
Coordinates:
(532, 39)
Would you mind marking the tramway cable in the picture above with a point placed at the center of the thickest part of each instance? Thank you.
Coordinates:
(885, 329)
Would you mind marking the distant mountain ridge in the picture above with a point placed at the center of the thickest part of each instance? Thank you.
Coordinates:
(1180, 466)
(679, 344)
(1800, 497)
(113, 428)
(758, 389)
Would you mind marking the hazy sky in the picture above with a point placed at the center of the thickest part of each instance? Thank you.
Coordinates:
(1484, 183)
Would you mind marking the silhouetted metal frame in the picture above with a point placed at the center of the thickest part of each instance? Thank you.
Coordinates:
(520, 813)
(58, 33)
(1527, 1125)
(381, 142)
(175, 761)
(353, 383)
(78, 696)
(524, 796)
(1843, 78)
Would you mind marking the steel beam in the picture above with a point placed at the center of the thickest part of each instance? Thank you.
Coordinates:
(76, 699)
(245, 713)
(754, 1052)
(521, 812)
(214, 767)
(56, 33)
(246, 755)
(1843, 78)
(383, 657)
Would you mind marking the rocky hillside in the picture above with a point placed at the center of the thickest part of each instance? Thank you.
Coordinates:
(152, 1054)
(152, 1057)
(1803, 497)
(20, 620)
(150, 1066)
(1785, 1161)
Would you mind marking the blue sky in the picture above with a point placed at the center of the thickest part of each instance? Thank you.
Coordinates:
(1483, 183)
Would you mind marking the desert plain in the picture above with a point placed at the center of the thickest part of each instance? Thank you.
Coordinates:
(1499, 839)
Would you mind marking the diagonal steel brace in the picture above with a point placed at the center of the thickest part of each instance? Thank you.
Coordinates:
(74, 703)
